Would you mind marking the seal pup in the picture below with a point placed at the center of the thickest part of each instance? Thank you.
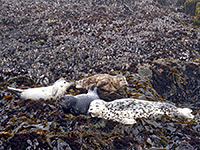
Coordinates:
(103, 81)
(126, 111)
(78, 104)
(54, 91)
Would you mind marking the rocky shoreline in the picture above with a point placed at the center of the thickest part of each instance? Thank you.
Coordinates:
(154, 46)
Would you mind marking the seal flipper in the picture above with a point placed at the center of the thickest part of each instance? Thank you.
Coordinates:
(16, 91)
(128, 121)
(54, 91)
(92, 88)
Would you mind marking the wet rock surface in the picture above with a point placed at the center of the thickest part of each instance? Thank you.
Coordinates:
(154, 46)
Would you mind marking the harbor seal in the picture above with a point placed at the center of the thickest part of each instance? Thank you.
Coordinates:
(103, 81)
(78, 104)
(54, 91)
(126, 111)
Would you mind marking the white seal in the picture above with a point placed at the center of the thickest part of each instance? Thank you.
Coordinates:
(78, 104)
(54, 91)
(126, 111)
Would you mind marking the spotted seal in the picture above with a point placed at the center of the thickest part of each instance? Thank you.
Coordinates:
(126, 111)
(54, 91)
(78, 104)
(103, 81)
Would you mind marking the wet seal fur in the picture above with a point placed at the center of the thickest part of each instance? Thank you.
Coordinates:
(54, 91)
(126, 111)
(78, 104)
(103, 81)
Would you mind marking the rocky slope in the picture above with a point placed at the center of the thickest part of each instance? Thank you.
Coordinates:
(154, 46)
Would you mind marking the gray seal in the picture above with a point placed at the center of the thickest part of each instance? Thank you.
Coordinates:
(54, 91)
(78, 104)
(126, 111)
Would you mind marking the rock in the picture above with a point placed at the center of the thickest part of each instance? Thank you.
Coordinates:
(190, 6)
(43, 40)
(196, 19)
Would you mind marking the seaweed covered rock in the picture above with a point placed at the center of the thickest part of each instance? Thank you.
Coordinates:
(196, 19)
(177, 81)
(153, 46)
(163, 2)
(190, 6)
(180, 2)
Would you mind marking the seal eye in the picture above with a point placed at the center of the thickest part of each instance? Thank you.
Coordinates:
(65, 82)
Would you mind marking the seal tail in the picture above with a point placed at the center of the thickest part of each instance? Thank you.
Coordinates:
(186, 112)
(92, 90)
(16, 91)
